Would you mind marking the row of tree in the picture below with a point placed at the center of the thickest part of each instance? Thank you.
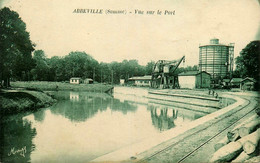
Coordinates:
(18, 63)
(80, 64)
(247, 63)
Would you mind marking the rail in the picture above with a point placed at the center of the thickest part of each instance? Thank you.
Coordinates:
(146, 159)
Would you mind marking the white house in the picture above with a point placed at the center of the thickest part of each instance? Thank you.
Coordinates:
(75, 80)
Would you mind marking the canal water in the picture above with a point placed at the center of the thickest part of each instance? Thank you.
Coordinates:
(82, 126)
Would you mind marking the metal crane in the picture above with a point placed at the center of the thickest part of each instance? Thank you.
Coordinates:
(163, 74)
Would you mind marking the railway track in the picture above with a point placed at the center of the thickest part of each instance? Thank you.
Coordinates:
(146, 159)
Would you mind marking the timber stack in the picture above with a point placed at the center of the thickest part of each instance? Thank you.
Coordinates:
(241, 144)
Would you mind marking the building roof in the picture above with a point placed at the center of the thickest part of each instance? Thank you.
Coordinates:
(75, 78)
(89, 79)
(146, 77)
(191, 73)
(250, 79)
(188, 73)
(226, 80)
(234, 80)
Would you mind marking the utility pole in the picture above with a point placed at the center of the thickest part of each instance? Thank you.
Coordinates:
(94, 75)
(112, 77)
(100, 75)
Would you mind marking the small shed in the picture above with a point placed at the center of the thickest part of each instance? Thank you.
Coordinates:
(194, 79)
(88, 81)
(248, 84)
(75, 80)
(235, 82)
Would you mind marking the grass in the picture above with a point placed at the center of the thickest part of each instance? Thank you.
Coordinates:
(32, 97)
(20, 101)
(52, 86)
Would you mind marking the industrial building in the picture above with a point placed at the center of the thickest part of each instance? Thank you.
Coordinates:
(140, 80)
(194, 79)
(216, 59)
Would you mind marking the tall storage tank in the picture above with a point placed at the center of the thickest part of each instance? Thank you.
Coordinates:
(216, 59)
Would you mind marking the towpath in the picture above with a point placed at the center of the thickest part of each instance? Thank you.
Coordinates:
(198, 146)
(193, 142)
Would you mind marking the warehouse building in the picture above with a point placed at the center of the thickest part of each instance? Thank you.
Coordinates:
(140, 80)
(194, 79)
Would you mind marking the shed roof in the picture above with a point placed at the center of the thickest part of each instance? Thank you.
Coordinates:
(89, 79)
(147, 77)
(192, 73)
(234, 80)
(250, 79)
(188, 73)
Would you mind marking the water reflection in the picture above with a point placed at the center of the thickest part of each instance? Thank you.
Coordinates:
(74, 96)
(163, 118)
(82, 106)
(39, 115)
(82, 126)
(16, 140)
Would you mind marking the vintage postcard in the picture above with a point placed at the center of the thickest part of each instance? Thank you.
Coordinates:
(129, 81)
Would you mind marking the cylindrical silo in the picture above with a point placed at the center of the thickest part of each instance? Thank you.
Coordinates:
(216, 59)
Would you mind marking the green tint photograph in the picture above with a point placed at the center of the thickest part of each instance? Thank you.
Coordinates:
(133, 81)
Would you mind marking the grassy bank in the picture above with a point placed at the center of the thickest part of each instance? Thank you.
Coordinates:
(53, 86)
(13, 101)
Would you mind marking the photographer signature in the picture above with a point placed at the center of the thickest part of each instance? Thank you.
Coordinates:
(21, 151)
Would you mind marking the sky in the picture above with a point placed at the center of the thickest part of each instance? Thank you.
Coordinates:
(54, 28)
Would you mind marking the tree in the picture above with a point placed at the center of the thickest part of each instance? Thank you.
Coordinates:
(42, 69)
(248, 61)
(149, 67)
(115, 72)
(104, 73)
(79, 64)
(56, 68)
(15, 46)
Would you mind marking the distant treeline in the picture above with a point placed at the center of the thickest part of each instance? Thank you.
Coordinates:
(80, 64)
(20, 61)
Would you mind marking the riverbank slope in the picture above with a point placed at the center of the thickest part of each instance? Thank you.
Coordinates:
(17, 101)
